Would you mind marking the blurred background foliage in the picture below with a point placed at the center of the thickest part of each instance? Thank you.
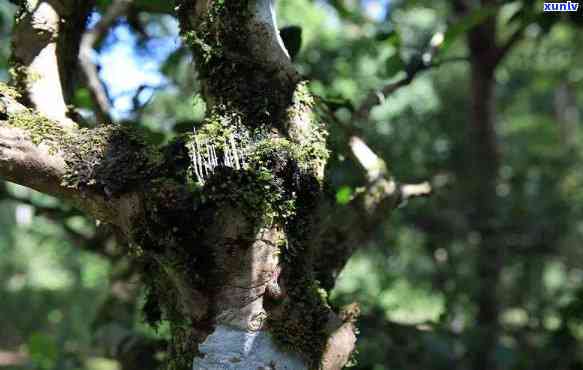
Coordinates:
(71, 301)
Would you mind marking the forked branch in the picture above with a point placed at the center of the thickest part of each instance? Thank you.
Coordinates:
(31, 156)
(359, 217)
(90, 40)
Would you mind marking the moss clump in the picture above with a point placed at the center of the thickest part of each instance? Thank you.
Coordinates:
(111, 159)
(39, 128)
(212, 36)
(303, 329)
(21, 77)
(221, 130)
(234, 80)
(269, 178)
(9, 91)
(168, 238)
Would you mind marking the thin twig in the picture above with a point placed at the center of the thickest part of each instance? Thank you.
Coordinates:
(509, 44)
(409, 191)
(89, 41)
(378, 96)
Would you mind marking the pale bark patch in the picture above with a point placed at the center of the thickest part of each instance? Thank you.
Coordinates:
(228, 348)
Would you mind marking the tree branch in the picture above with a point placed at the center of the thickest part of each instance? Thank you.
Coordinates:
(378, 96)
(461, 6)
(516, 36)
(89, 41)
(29, 157)
(345, 230)
(23, 162)
(409, 191)
(40, 54)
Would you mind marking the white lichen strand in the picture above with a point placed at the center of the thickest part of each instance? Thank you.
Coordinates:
(205, 160)
(228, 348)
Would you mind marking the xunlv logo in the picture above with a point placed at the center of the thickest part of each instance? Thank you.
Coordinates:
(561, 7)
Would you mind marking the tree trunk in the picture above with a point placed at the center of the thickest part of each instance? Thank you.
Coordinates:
(483, 167)
(227, 221)
(224, 219)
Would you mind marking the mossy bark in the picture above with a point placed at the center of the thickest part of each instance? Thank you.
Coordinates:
(223, 220)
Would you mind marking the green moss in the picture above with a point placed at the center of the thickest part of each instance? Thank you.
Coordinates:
(233, 80)
(303, 329)
(111, 159)
(39, 128)
(21, 76)
(9, 91)
(218, 130)
(204, 41)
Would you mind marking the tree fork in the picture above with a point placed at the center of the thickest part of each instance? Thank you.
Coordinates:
(259, 158)
(226, 220)
(45, 45)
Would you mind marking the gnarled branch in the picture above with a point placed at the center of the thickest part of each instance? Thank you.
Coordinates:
(31, 156)
(368, 208)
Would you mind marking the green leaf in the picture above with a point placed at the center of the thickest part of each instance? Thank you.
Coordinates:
(385, 31)
(82, 98)
(394, 39)
(338, 102)
(344, 195)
